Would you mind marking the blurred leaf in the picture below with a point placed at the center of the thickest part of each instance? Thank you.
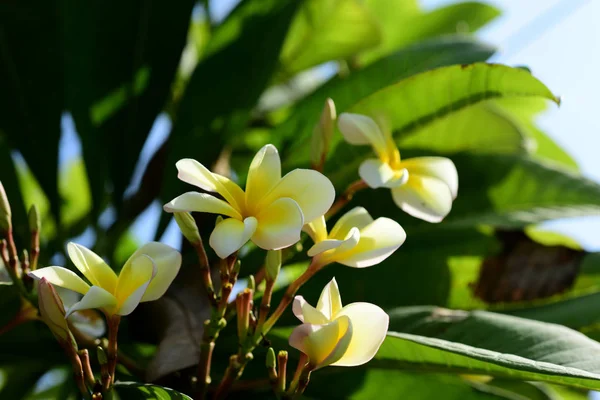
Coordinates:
(525, 390)
(10, 181)
(117, 86)
(57, 383)
(405, 24)
(479, 342)
(325, 30)
(17, 379)
(31, 95)
(75, 192)
(139, 391)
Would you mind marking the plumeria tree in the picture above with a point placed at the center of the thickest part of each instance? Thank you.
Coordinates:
(291, 270)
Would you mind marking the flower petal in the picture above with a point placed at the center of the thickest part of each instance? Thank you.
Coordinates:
(279, 225)
(436, 167)
(316, 229)
(201, 202)
(231, 234)
(323, 246)
(424, 197)
(96, 297)
(342, 250)
(92, 267)
(369, 327)
(323, 344)
(62, 277)
(330, 301)
(194, 173)
(378, 241)
(358, 217)
(360, 129)
(307, 313)
(378, 174)
(263, 175)
(134, 279)
(168, 262)
(234, 190)
(312, 190)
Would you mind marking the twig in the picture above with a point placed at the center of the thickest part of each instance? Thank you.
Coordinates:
(111, 350)
(345, 197)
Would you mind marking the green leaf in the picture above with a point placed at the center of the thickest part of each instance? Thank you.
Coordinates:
(10, 181)
(140, 391)
(117, 86)
(405, 24)
(325, 30)
(479, 342)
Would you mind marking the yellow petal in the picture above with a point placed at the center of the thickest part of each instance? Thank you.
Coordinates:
(323, 344)
(341, 251)
(92, 267)
(279, 225)
(358, 217)
(307, 313)
(323, 246)
(424, 197)
(369, 328)
(231, 234)
(313, 192)
(378, 241)
(436, 167)
(263, 175)
(201, 202)
(378, 174)
(316, 229)
(194, 173)
(167, 261)
(360, 129)
(234, 190)
(96, 297)
(330, 301)
(62, 277)
(134, 279)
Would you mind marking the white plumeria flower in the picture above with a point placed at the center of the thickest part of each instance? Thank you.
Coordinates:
(146, 276)
(423, 187)
(272, 210)
(356, 240)
(335, 335)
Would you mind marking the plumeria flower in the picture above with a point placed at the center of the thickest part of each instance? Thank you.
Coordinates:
(272, 210)
(356, 240)
(335, 335)
(423, 187)
(146, 276)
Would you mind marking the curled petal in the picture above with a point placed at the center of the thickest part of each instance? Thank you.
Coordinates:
(436, 167)
(316, 229)
(231, 234)
(312, 190)
(358, 217)
(92, 267)
(167, 261)
(369, 327)
(279, 225)
(323, 344)
(424, 197)
(201, 202)
(378, 174)
(307, 313)
(96, 297)
(136, 280)
(360, 129)
(194, 173)
(323, 246)
(343, 250)
(330, 301)
(62, 277)
(264, 173)
(378, 241)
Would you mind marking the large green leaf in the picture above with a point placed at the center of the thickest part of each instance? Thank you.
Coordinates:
(404, 23)
(10, 181)
(121, 58)
(140, 391)
(325, 30)
(479, 342)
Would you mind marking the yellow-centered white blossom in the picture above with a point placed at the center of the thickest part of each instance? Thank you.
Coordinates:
(356, 240)
(146, 276)
(423, 187)
(335, 335)
(270, 212)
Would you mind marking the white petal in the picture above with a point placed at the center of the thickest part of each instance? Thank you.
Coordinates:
(424, 197)
(138, 268)
(369, 328)
(358, 217)
(96, 297)
(92, 266)
(378, 174)
(323, 246)
(279, 225)
(62, 277)
(231, 234)
(201, 202)
(436, 167)
(307, 313)
(330, 301)
(168, 262)
(263, 175)
(360, 129)
(342, 251)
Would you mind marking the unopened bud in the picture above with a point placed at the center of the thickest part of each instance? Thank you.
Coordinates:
(187, 226)
(102, 358)
(218, 220)
(323, 132)
(52, 311)
(251, 283)
(35, 223)
(271, 360)
(272, 264)
(5, 211)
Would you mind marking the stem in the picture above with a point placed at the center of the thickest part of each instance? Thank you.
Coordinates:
(265, 305)
(345, 197)
(282, 359)
(302, 363)
(35, 249)
(87, 368)
(111, 350)
(234, 370)
(206, 350)
(205, 272)
(77, 369)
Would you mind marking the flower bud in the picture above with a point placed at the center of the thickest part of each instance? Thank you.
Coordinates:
(251, 283)
(187, 226)
(271, 361)
(323, 132)
(101, 354)
(35, 223)
(52, 311)
(272, 264)
(5, 211)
